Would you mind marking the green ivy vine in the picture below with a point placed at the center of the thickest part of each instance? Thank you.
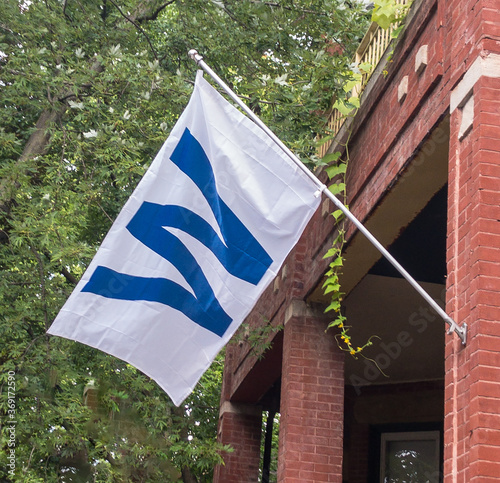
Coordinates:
(331, 286)
(387, 13)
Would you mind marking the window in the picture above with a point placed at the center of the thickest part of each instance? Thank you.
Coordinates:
(410, 457)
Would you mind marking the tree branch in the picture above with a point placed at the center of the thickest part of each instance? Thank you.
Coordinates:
(68, 276)
(41, 272)
(144, 14)
(137, 26)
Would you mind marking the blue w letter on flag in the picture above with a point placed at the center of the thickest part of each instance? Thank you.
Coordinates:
(240, 253)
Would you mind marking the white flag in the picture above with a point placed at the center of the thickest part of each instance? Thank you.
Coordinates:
(203, 234)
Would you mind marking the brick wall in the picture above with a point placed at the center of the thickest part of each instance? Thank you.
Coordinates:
(312, 401)
(240, 426)
(472, 423)
(472, 397)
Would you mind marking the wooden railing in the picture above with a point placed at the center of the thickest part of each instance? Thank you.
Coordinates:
(370, 51)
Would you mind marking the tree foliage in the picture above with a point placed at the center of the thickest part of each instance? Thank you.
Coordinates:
(89, 90)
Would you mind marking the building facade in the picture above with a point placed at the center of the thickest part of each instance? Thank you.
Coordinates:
(424, 178)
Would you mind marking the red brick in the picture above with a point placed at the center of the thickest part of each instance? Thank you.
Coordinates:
(484, 420)
(488, 196)
(484, 468)
(489, 283)
(484, 405)
(487, 161)
(488, 130)
(491, 254)
(485, 389)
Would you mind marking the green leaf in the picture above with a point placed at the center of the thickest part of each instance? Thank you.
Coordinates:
(338, 262)
(333, 171)
(342, 107)
(365, 67)
(338, 215)
(350, 84)
(332, 288)
(337, 188)
(331, 157)
(331, 253)
(354, 101)
(335, 323)
(384, 12)
(335, 306)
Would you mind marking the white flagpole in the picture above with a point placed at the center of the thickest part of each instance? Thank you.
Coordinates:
(322, 188)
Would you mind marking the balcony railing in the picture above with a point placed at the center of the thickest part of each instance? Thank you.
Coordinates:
(370, 51)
